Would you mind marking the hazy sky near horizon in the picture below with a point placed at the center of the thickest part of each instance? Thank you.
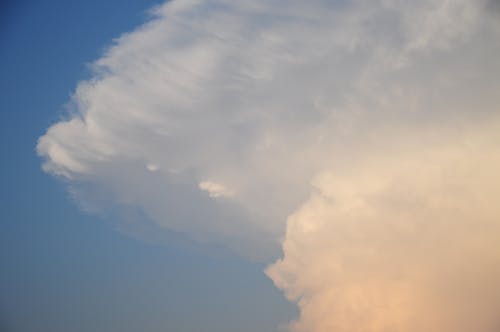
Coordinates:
(352, 147)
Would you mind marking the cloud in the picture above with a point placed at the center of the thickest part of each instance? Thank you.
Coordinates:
(214, 118)
(402, 241)
(215, 190)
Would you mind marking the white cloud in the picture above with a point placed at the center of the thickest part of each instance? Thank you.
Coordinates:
(214, 117)
(152, 167)
(215, 189)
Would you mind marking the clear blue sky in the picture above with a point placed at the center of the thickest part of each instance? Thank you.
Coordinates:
(62, 270)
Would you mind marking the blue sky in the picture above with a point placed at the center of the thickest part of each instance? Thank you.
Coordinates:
(64, 270)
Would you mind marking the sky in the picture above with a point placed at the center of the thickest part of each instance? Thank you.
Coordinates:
(302, 166)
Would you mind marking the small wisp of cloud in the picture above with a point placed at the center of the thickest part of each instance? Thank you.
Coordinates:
(215, 190)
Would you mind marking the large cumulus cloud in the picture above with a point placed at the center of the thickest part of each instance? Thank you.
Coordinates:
(215, 117)
(405, 242)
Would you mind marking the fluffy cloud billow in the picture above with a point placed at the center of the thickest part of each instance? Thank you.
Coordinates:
(400, 243)
(361, 135)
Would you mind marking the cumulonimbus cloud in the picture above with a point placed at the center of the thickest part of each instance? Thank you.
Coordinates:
(215, 117)
(400, 243)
